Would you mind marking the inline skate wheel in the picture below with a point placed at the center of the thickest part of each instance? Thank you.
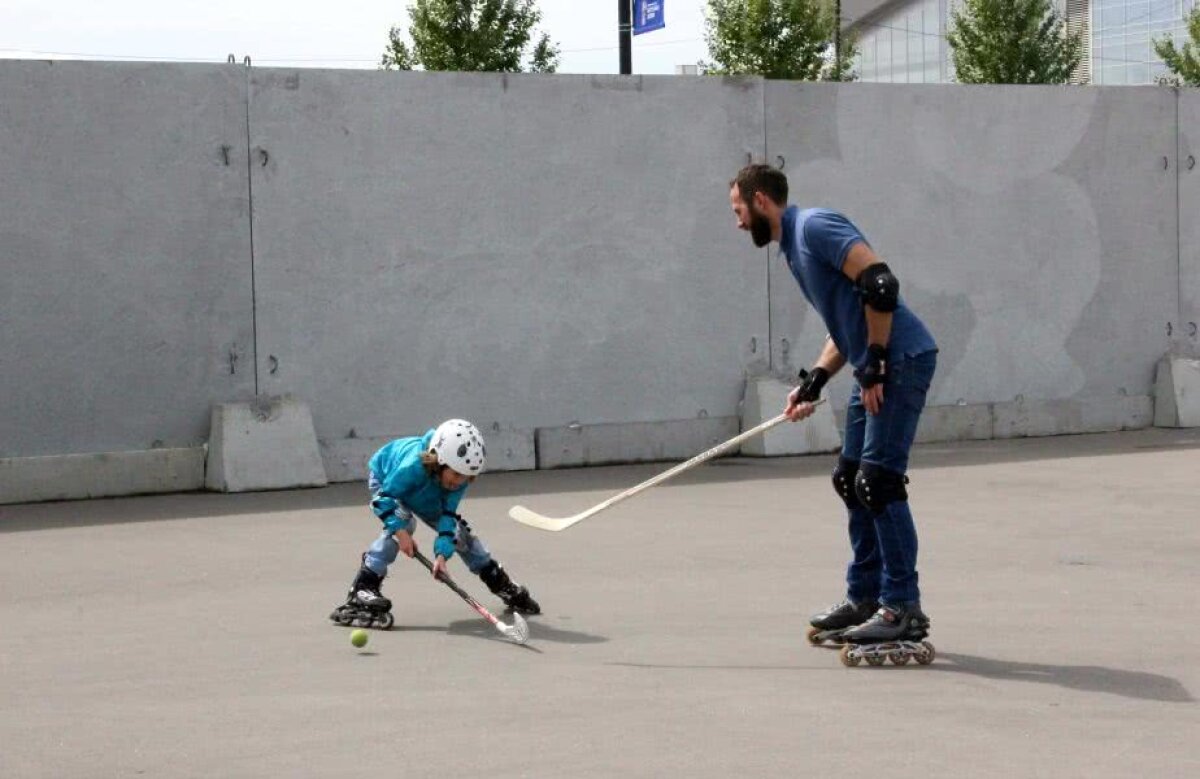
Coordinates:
(926, 657)
(813, 634)
(849, 660)
(898, 658)
(386, 621)
(876, 660)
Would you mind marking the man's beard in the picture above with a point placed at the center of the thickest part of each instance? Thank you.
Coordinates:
(760, 229)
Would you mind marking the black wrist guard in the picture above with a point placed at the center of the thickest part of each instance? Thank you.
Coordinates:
(875, 371)
(811, 384)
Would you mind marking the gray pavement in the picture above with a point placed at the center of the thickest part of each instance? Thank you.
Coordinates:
(186, 635)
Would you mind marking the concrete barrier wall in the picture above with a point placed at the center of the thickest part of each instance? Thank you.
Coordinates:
(522, 251)
(1187, 328)
(1032, 228)
(125, 294)
(556, 253)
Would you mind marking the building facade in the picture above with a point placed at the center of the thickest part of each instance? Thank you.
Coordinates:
(904, 41)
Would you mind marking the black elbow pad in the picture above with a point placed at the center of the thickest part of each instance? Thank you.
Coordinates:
(879, 288)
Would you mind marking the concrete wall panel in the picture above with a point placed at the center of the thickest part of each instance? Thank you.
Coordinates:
(525, 251)
(1187, 329)
(1030, 227)
(124, 254)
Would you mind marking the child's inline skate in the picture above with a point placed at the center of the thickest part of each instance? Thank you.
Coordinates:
(365, 606)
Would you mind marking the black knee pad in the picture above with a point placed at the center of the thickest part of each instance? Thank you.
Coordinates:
(876, 487)
(843, 481)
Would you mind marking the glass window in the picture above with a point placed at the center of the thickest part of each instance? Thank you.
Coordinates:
(1112, 18)
(932, 22)
(1137, 51)
(916, 49)
(1164, 10)
(899, 49)
(1137, 15)
(1112, 54)
(1112, 73)
(883, 55)
(1138, 74)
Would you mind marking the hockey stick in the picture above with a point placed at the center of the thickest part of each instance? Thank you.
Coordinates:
(533, 519)
(518, 631)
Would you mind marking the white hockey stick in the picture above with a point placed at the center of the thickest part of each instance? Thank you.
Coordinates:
(533, 519)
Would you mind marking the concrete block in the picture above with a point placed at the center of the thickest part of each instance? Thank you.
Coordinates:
(268, 444)
(1029, 418)
(765, 398)
(346, 459)
(75, 476)
(955, 423)
(574, 445)
(1177, 392)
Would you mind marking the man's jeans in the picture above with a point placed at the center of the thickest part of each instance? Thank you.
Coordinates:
(885, 544)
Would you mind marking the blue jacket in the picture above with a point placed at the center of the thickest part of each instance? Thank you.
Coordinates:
(405, 488)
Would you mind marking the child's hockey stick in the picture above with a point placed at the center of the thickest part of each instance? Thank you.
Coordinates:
(518, 631)
(533, 519)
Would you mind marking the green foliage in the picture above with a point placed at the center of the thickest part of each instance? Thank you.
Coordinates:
(1183, 61)
(1012, 42)
(474, 35)
(776, 39)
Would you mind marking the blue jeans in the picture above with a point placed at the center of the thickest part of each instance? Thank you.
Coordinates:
(885, 544)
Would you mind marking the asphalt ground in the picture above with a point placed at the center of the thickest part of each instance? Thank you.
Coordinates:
(187, 635)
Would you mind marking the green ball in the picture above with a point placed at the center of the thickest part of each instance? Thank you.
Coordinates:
(359, 638)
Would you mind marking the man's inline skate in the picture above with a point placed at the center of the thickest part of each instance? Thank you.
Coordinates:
(365, 605)
(890, 634)
(830, 624)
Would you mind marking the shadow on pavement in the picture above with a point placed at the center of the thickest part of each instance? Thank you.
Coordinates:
(1088, 678)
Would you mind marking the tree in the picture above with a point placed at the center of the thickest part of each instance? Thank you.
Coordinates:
(488, 35)
(1012, 42)
(784, 39)
(1183, 61)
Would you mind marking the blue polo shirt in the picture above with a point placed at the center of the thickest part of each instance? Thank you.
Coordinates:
(815, 242)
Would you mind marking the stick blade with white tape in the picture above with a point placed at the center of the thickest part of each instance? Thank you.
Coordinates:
(518, 631)
(534, 519)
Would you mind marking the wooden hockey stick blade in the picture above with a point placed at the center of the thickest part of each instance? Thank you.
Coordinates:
(554, 524)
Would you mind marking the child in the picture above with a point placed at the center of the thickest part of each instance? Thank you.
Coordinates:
(424, 477)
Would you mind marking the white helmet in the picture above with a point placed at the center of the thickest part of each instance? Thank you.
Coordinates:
(459, 445)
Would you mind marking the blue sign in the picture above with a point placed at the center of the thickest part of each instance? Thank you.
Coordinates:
(648, 16)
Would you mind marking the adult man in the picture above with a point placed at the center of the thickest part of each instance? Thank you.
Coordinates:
(894, 358)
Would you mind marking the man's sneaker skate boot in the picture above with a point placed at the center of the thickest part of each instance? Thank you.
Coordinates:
(906, 623)
(831, 623)
(515, 596)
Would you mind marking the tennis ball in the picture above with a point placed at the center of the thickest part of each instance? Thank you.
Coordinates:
(359, 638)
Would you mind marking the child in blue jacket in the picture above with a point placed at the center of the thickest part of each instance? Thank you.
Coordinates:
(424, 478)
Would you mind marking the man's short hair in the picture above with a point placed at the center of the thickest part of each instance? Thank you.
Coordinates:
(762, 178)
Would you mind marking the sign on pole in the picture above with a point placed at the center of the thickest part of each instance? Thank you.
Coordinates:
(648, 16)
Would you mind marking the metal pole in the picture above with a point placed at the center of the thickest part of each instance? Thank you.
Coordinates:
(625, 35)
(837, 38)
